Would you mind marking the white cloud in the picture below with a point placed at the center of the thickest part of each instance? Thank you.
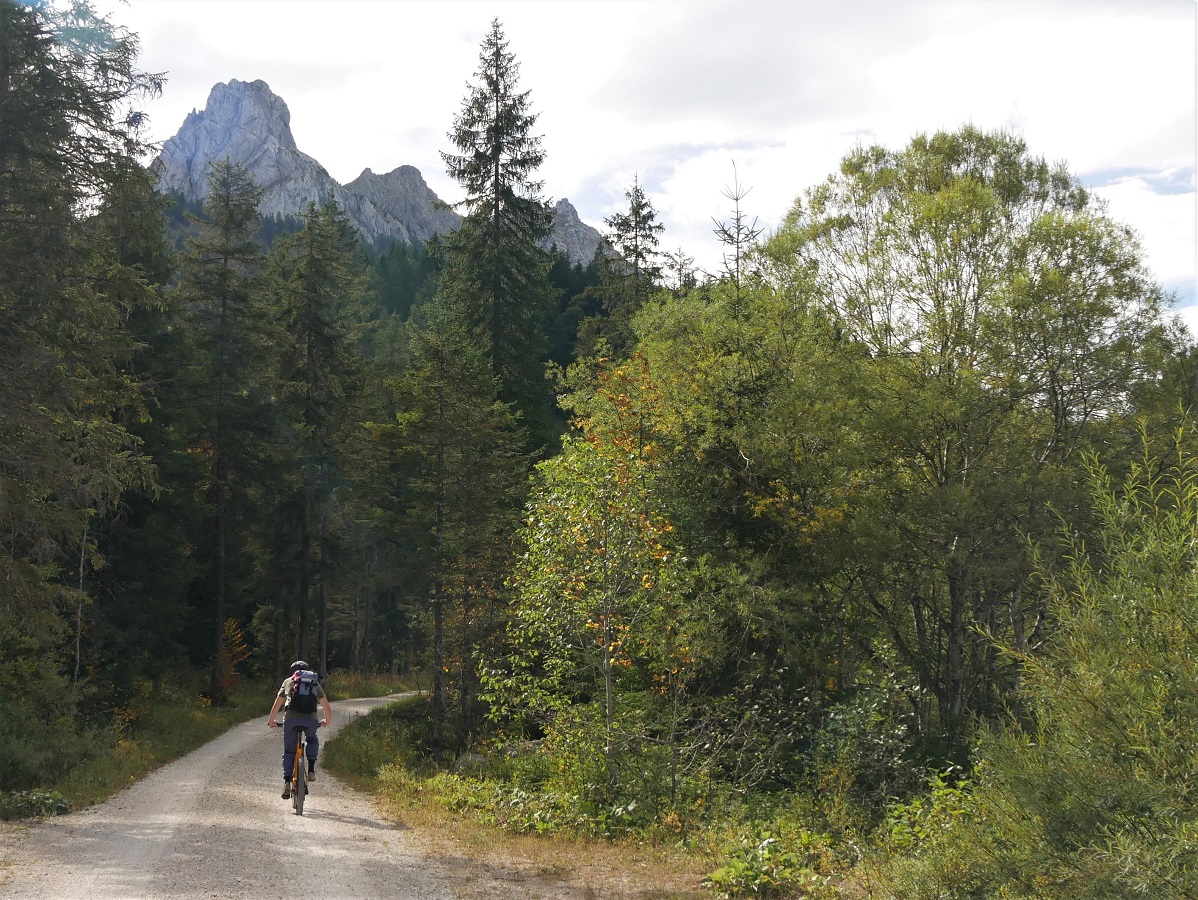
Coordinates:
(1165, 224)
(676, 91)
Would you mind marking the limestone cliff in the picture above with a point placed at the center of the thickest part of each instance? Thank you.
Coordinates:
(249, 124)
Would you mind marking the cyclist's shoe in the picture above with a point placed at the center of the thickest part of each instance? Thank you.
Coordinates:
(311, 776)
(286, 790)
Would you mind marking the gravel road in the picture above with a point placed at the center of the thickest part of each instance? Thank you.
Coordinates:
(213, 825)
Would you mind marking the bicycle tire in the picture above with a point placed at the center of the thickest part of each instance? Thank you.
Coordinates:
(300, 791)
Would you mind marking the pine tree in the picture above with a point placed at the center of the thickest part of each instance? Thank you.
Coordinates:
(497, 273)
(68, 143)
(317, 285)
(227, 327)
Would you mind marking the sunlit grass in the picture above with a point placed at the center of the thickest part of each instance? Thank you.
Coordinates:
(168, 725)
(343, 684)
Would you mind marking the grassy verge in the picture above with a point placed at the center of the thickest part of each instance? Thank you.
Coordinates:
(341, 685)
(380, 753)
(168, 725)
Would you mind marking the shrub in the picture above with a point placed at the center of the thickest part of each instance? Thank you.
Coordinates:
(1090, 794)
(764, 865)
(31, 804)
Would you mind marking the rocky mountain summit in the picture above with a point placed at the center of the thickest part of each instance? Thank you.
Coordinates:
(249, 124)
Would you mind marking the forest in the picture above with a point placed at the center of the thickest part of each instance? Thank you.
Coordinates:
(875, 548)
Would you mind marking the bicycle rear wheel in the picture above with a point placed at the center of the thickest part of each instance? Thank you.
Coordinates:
(300, 790)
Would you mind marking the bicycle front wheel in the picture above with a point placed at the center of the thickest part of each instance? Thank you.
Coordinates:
(300, 790)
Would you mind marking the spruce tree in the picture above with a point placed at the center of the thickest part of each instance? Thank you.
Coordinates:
(229, 397)
(317, 290)
(463, 491)
(497, 272)
(629, 275)
(68, 143)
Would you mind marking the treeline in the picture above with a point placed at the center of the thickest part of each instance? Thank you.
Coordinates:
(228, 441)
(796, 550)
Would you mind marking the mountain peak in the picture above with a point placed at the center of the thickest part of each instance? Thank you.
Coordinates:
(247, 123)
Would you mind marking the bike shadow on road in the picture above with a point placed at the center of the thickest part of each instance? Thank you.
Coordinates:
(361, 821)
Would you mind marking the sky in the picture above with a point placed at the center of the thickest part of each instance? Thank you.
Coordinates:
(690, 97)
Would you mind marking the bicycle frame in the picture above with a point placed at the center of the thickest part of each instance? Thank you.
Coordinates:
(299, 773)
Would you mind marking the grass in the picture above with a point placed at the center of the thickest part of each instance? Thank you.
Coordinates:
(385, 742)
(343, 684)
(166, 725)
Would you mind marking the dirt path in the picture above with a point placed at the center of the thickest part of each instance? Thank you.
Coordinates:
(213, 825)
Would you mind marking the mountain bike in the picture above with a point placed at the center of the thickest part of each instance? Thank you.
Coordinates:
(299, 771)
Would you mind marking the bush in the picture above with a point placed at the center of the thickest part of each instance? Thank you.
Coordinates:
(1090, 794)
(396, 733)
(764, 865)
(863, 754)
(32, 804)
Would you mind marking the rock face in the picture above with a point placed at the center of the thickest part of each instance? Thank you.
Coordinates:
(249, 124)
(575, 237)
(406, 198)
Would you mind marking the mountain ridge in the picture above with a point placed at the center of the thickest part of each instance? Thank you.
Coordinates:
(247, 123)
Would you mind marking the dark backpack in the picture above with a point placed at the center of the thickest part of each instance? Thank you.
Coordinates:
(303, 692)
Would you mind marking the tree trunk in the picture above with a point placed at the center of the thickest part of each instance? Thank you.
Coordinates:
(305, 585)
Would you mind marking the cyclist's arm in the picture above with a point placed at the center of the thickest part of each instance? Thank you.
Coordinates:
(272, 722)
(328, 711)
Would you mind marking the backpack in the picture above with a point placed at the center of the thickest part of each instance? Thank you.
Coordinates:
(303, 692)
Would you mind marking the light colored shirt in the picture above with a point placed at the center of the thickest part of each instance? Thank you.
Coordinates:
(285, 693)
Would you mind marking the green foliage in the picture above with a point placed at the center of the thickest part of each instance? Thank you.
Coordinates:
(407, 276)
(496, 273)
(69, 148)
(765, 866)
(166, 720)
(32, 804)
(396, 734)
(1089, 793)
(341, 684)
(925, 824)
(864, 753)
(629, 271)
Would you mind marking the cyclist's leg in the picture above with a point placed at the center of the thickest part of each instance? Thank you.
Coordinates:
(290, 739)
(310, 727)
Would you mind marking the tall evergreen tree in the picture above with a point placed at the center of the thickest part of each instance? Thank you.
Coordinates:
(497, 273)
(464, 490)
(68, 142)
(317, 285)
(629, 275)
(228, 404)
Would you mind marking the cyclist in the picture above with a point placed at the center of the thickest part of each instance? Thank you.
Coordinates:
(294, 722)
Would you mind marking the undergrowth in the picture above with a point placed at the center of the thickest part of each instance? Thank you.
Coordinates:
(344, 684)
(165, 722)
(764, 846)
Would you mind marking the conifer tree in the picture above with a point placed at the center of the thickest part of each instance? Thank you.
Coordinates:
(226, 325)
(497, 272)
(68, 141)
(629, 275)
(461, 444)
(317, 286)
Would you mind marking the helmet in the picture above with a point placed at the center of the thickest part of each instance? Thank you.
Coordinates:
(298, 665)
